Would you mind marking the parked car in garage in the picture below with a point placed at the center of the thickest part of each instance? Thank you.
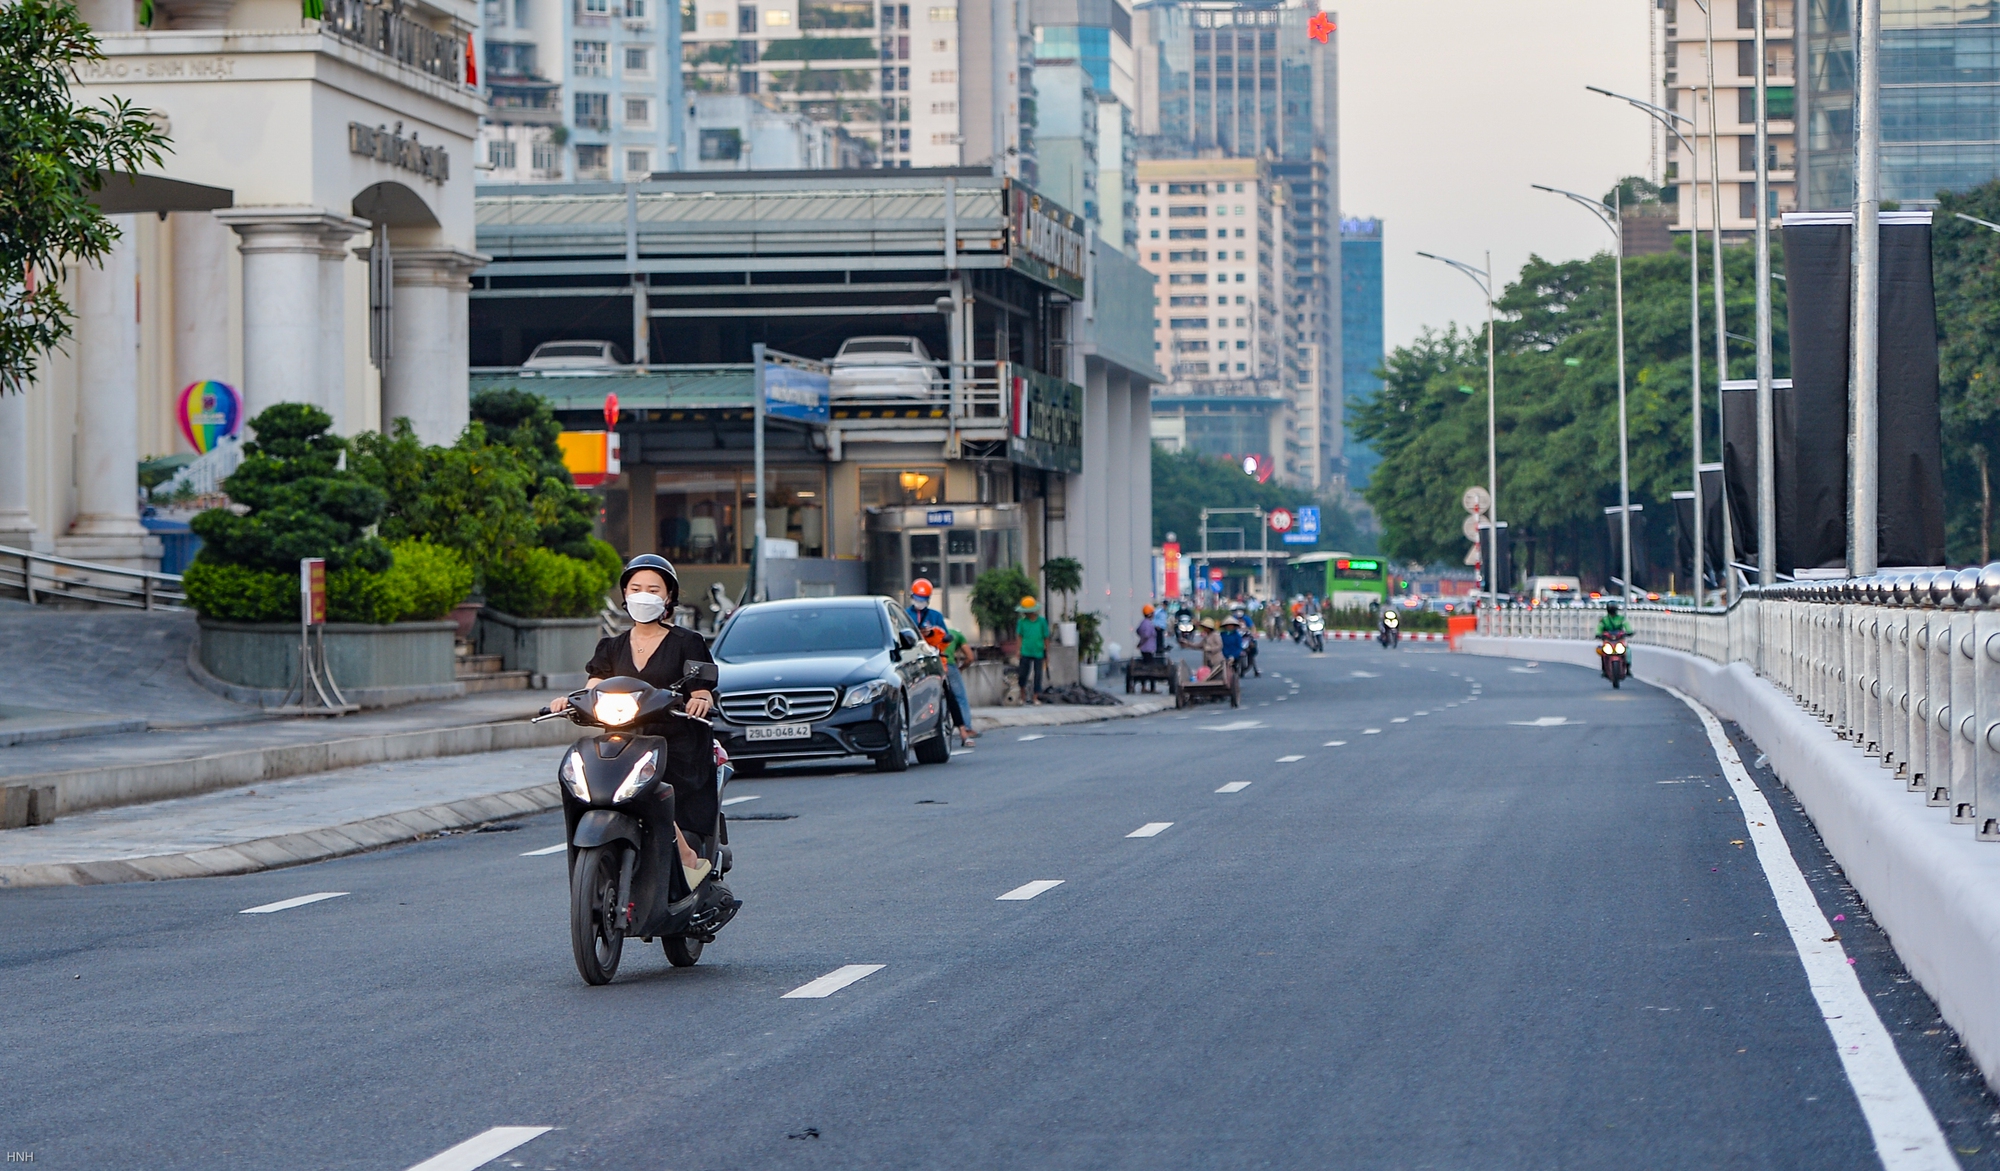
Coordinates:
(884, 367)
(576, 355)
(818, 678)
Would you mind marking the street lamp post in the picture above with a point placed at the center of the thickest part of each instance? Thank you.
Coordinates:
(1483, 277)
(1667, 118)
(1715, 265)
(1615, 222)
(1767, 460)
(1863, 429)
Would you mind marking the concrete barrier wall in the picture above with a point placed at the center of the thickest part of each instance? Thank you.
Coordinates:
(555, 649)
(1933, 888)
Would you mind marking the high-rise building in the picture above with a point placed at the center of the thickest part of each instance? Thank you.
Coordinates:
(581, 89)
(1224, 80)
(1732, 130)
(1361, 348)
(1940, 101)
(1083, 52)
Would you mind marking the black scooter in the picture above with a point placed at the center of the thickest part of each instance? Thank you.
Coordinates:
(1392, 629)
(625, 877)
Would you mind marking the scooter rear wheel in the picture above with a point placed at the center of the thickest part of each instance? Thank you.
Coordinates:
(682, 951)
(593, 914)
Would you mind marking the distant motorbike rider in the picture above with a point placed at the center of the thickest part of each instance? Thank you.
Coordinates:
(1612, 623)
(919, 610)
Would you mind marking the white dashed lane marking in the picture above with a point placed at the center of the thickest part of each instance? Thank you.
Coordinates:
(742, 799)
(1333, 744)
(288, 904)
(558, 848)
(1371, 731)
(1400, 720)
(1151, 829)
(482, 1148)
(1031, 736)
(832, 982)
(1289, 759)
(1029, 890)
(1234, 787)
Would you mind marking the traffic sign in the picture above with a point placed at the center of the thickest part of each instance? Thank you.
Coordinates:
(1477, 501)
(1470, 528)
(1280, 520)
(1309, 522)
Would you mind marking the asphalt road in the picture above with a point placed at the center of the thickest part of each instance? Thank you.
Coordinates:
(1468, 935)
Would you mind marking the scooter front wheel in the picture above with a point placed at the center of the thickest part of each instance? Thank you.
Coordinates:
(594, 936)
(682, 951)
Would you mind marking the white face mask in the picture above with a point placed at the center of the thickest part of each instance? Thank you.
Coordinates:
(920, 602)
(645, 607)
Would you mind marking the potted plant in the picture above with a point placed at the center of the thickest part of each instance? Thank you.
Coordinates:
(291, 498)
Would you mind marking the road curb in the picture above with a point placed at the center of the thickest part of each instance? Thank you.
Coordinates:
(294, 849)
(131, 784)
(1049, 715)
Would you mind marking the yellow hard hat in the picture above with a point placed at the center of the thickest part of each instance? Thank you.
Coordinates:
(1027, 603)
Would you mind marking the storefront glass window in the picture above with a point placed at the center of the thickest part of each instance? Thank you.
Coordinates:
(696, 511)
(797, 511)
(901, 487)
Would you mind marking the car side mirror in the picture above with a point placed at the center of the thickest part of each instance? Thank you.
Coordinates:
(906, 639)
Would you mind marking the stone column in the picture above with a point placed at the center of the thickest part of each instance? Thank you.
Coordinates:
(1117, 605)
(332, 393)
(17, 526)
(1092, 523)
(106, 528)
(1139, 469)
(201, 298)
(281, 249)
(428, 380)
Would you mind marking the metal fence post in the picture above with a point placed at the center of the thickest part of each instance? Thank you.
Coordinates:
(1986, 716)
(1916, 685)
(1871, 668)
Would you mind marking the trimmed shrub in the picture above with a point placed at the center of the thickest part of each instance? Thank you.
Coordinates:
(237, 593)
(427, 580)
(297, 501)
(542, 583)
(995, 594)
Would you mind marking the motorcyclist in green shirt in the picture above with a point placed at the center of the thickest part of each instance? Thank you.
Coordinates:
(1612, 621)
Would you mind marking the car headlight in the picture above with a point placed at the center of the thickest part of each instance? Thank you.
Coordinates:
(637, 778)
(572, 773)
(616, 708)
(867, 692)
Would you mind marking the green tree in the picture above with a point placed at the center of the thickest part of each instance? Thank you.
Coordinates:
(54, 155)
(1966, 268)
(1185, 482)
(1556, 409)
(471, 496)
(297, 501)
(563, 513)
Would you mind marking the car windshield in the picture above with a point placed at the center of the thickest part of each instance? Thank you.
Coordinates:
(802, 630)
(571, 350)
(890, 346)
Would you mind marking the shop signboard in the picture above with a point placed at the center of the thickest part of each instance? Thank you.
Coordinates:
(796, 392)
(1045, 421)
(1045, 240)
(1171, 569)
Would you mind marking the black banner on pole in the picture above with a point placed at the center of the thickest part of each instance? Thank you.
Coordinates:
(1614, 556)
(1711, 537)
(1910, 495)
(1504, 555)
(1739, 462)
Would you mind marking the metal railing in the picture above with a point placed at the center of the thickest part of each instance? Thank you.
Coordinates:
(389, 32)
(22, 574)
(1904, 665)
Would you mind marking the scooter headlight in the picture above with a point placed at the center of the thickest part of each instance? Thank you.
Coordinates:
(572, 774)
(1618, 648)
(637, 778)
(616, 708)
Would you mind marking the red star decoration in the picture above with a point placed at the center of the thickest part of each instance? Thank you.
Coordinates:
(1320, 27)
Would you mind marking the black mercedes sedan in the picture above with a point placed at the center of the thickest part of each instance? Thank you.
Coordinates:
(829, 677)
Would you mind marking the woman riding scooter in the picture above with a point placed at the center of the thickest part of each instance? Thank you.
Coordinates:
(658, 652)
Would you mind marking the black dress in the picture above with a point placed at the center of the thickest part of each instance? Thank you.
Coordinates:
(690, 754)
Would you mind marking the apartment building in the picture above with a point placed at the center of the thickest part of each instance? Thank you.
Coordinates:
(1213, 234)
(1730, 129)
(1084, 53)
(581, 90)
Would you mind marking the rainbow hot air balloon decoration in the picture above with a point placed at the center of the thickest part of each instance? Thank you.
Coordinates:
(209, 411)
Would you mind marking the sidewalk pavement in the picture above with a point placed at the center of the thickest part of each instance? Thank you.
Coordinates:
(272, 824)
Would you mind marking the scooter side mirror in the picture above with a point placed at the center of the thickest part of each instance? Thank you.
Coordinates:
(705, 674)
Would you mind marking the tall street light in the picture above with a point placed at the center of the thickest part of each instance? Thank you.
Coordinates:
(1484, 279)
(1715, 263)
(1863, 432)
(1767, 458)
(1667, 118)
(1616, 222)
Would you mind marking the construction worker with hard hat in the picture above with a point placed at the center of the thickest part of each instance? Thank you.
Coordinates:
(1034, 632)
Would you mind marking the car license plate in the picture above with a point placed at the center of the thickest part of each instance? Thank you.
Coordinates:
(778, 732)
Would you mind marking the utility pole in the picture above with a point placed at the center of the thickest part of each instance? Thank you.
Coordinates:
(1866, 353)
(1767, 461)
(1721, 324)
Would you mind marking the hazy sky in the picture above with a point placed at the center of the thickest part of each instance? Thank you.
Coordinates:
(1449, 109)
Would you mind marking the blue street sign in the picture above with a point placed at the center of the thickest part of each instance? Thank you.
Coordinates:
(1299, 539)
(794, 393)
(1307, 529)
(938, 516)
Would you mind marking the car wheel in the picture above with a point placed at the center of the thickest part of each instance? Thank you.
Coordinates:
(937, 749)
(897, 758)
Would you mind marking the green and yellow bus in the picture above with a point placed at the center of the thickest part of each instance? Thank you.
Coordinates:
(1340, 578)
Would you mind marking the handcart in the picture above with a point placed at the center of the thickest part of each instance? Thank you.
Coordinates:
(1223, 684)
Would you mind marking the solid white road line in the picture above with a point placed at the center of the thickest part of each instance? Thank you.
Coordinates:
(558, 848)
(1289, 759)
(288, 904)
(1151, 829)
(1333, 744)
(832, 982)
(1032, 736)
(482, 1148)
(1234, 787)
(740, 800)
(1029, 890)
(1906, 1134)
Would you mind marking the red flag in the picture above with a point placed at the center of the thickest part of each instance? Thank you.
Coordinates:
(472, 62)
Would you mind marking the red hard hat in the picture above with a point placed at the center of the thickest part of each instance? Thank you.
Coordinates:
(921, 588)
